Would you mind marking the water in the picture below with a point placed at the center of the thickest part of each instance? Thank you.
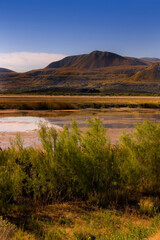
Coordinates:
(110, 121)
(21, 124)
(26, 126)
(115, 123)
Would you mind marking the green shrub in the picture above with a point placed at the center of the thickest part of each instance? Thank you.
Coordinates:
(73, 165)
(149, 205)
(139, 159)
(98, 160)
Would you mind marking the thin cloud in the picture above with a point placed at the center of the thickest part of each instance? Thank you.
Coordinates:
(25, 61)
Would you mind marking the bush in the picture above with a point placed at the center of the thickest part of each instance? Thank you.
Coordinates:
(139, 159)
(86, 166)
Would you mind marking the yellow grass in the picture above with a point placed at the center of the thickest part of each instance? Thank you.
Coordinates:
(60, 102)
(78, 221)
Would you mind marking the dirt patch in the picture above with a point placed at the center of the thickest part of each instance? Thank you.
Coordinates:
(156, 237)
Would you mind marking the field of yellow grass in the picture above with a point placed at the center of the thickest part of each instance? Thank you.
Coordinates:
(46, 102)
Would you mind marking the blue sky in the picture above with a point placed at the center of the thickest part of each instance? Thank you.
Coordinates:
(66, 27)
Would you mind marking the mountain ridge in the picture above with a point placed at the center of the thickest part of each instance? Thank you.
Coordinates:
(95, 59)
(94, 72)
(149, 59)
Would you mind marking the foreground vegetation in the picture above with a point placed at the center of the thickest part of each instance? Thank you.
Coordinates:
(73, 166)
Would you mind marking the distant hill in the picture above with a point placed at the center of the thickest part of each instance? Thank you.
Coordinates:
(150, 74)
(150, 59)
(5, 70)
(94, 72)
(96, 59)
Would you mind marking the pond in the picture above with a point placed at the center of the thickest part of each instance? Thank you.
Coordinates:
(27, 126)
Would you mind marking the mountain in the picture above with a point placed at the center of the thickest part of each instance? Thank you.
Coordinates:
(94, 72)
(96, 59)
(150, 59)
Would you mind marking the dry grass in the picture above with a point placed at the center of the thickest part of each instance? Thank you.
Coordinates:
(80, 221)
(45, 102)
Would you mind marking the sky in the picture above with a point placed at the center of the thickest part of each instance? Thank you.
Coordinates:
(34, 33)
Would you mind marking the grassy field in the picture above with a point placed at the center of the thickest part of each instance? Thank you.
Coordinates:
(45, 102)
(80, 221)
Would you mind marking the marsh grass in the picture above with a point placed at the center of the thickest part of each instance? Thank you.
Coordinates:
(40, 102)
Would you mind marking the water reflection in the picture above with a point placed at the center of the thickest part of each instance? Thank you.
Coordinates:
(112, 121)
(22, 124)
(28, 126)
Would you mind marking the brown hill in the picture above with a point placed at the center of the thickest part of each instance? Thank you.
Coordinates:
(96, 59)
(68, 78)
(5, 70)
(94, 72)
(150, 74)
(152, 60)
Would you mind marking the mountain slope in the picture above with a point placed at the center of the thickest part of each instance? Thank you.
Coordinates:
(153, 60)
(5, 70)
(96, 59)
(150, 74)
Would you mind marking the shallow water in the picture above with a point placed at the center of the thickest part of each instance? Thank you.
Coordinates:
(27, 126)
(23, 124)
(109, 120)
(19, 124)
